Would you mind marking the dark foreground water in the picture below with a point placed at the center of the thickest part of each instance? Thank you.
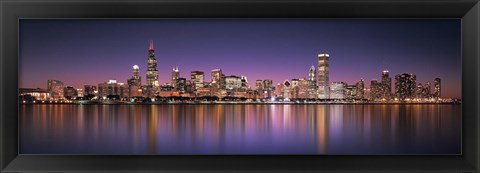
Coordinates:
(240, 129)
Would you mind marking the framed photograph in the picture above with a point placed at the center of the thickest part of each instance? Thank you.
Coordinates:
(242, 86)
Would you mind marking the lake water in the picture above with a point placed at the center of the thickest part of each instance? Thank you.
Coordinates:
(240, 129)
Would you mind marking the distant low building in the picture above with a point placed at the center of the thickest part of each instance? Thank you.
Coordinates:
(37, 93)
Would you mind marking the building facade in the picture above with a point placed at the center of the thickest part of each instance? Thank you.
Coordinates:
(405, 86)
(360, 89)
(323, 76)
(152, 72)
(198, 79)
(135, 83)
(386, 87)
(175, 76)
(437, 88)
(337, 90)
(233, 82)
(55, 89)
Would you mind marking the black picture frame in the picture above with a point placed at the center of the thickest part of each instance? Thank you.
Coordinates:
(12, 10)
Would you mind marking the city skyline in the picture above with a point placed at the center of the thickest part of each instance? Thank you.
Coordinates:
(339, 70)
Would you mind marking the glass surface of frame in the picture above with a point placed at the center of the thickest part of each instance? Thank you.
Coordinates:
(240, 86)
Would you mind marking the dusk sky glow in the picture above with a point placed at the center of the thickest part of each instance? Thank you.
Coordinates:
(92, 51)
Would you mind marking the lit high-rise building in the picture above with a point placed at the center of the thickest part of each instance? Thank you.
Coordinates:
(312, 75)
(302, 91)
(90, 90)
(80, 93)
(312, 89)
(287, 89)
(245, 85)
(386, 85)
(419, 91)
(135, 83)
(198, 79)
(437, 88)
(279, 90)
(152, 73)
(351, 92)
(110, 88)
(175, 76)
(218, 79)
(337, 90)
(360, 89)
(259, 85)
(181, 84)
(375, 90)
(264, 88)
(426, 90)
(55, 89)
(323, 76)
(294, 88)
(405, 85)
(233, 82)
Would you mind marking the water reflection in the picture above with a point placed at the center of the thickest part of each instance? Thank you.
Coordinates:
(240, 129)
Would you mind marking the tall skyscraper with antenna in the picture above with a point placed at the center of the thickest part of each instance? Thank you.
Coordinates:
(152, 73)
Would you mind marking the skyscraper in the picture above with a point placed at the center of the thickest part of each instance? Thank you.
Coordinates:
(426, 90)
(386, 85)
(419, 91)
(287, 89)
(337, 90)
(312, 83)
(175, 76)
(90, 89)
(360, 89)
(245, 85)
(303, 88)
(216, 75)
(152, 73)
(198, 79)
(259, 86)
(233, 82)
(437, 90)
(323, 76)
(375, 90)
(135, 83)
(55, 88)
(312, 76)
(294, 88)
(405, 85)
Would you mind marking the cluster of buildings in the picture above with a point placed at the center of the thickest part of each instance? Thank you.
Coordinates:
(316, 87)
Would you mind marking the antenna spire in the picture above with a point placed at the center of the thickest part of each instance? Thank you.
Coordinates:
(151, 45)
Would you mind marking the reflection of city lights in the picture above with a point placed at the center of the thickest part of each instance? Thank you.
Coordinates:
(24, 101)
(33, 101)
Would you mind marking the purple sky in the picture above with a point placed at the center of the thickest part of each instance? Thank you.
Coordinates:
(88, 51)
